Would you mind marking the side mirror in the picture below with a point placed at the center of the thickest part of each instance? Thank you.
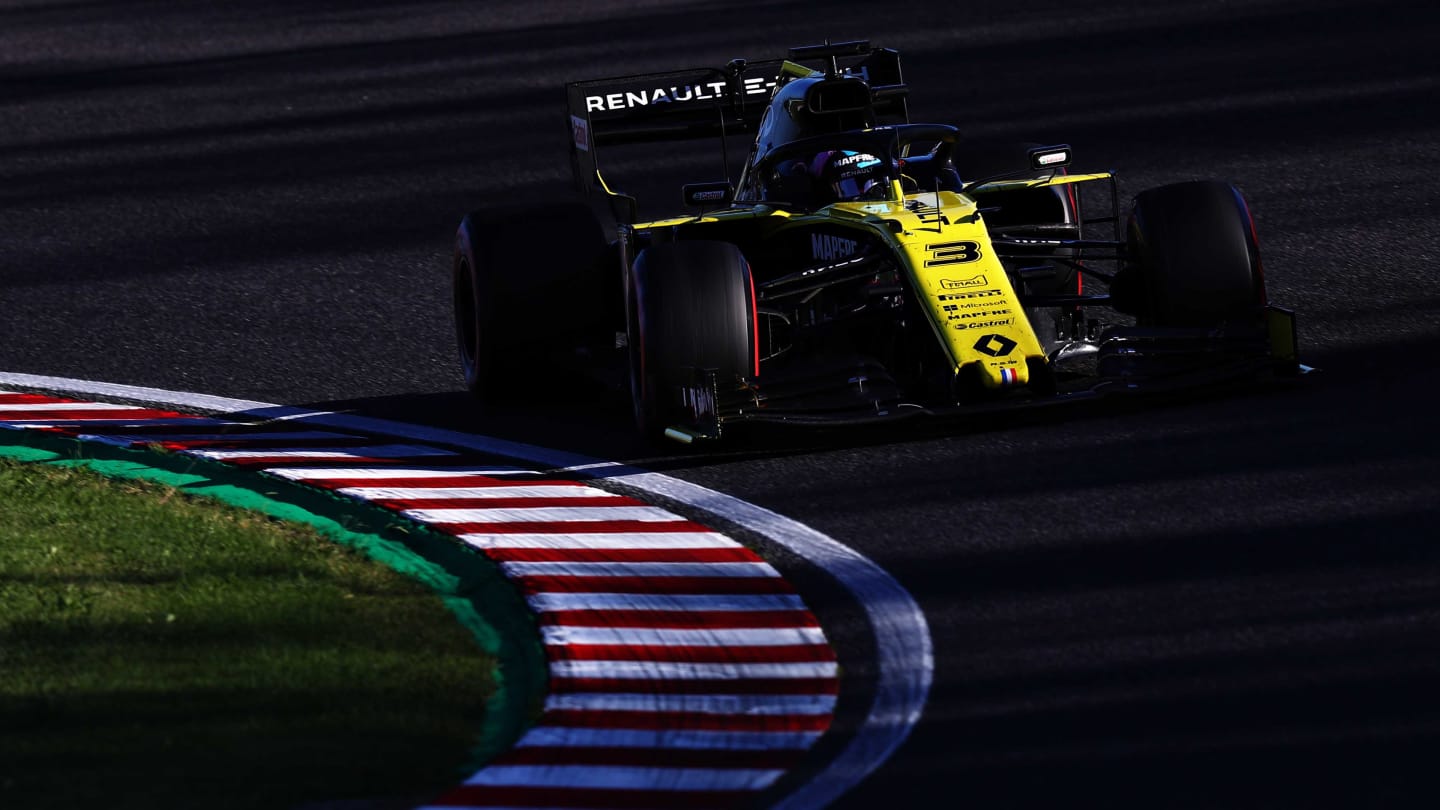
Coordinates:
(1049, 157)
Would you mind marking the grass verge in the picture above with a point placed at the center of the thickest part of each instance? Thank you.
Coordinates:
(164, 651)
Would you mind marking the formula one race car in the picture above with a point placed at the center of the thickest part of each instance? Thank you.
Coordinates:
(860, 268)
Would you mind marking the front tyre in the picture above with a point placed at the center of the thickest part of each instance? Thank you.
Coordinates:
(691, 310)
(1193, 258)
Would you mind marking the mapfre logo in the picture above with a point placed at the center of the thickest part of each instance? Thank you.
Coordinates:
(828, 248)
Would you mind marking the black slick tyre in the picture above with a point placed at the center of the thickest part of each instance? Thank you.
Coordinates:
(525, 288)
(691, 310)
(474, 295)
(1193, 258)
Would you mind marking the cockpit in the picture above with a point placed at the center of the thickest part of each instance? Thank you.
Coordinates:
(829, 176)
(857, 165)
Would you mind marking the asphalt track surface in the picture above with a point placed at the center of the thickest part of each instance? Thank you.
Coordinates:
(1227, 601)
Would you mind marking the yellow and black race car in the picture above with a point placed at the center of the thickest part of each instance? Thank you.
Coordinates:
(859, 268)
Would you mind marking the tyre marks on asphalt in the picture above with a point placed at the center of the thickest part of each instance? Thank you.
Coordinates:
(684, 670)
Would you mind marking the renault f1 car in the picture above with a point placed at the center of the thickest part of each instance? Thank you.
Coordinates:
(860, 268)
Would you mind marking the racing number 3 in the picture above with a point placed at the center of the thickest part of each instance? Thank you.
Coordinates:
(952, 253)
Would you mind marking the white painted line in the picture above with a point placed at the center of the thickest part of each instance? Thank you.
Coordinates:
(546, 602)
(672, 670)
(203, 402)
(303, 453)
(65, 406)
(74, 423)
(544, 514)
(615, 777)
(611, 540)
(121, 421)
(743, 570)
(237, 437)
(449, 493)
(716, 637)
(102, 438)
(570, 737)
(750, 705)
(904, 652)
(381, 474)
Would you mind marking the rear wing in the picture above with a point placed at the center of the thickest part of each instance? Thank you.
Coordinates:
(711, 102)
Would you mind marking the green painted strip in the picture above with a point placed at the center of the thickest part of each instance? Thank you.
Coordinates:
(20, 453)
(472, 586)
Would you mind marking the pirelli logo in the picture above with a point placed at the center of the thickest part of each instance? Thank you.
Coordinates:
(963, 296)
(943, 253)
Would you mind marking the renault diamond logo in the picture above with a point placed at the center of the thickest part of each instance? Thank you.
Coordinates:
(995, 345)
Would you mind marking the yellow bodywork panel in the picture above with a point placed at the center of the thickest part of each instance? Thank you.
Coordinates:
(964, 289)
(795, 70)
(972, 306)
(941, 242)
(758, 212)
(1057, 180)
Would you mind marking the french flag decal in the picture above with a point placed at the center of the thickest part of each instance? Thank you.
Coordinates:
(1008, 376)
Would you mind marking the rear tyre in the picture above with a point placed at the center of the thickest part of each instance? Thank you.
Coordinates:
(691, 309)
(474, 295)
(527, 289)
(1193, 258)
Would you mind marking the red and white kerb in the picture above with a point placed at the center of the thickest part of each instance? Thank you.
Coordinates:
(684, 670)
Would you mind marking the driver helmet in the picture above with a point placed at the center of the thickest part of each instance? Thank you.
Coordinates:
(850, 175)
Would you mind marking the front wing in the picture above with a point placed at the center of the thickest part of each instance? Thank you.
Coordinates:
(1128, 361)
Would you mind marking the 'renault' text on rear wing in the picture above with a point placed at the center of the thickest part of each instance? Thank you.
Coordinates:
(710, 102)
